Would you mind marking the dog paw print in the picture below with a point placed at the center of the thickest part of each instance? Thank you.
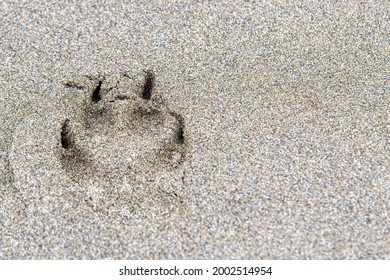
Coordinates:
(121, 144)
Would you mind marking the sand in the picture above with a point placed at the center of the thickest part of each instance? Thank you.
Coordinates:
(172, 130)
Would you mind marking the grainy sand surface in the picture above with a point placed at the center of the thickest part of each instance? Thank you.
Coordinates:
(194, 130)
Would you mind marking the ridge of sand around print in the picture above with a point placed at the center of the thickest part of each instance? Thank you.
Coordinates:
(114, 145)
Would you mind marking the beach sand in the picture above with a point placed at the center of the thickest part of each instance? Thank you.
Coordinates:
(231, 130)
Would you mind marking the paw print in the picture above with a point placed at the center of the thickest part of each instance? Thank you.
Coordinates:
(120, 142)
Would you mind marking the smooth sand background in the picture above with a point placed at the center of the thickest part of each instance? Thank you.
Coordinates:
(287, 116)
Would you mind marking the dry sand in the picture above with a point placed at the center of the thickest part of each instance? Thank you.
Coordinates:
(231, 130)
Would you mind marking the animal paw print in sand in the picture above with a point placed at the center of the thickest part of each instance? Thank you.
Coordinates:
(121, 144)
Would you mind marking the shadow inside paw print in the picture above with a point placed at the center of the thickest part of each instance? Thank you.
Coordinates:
(122, 144)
